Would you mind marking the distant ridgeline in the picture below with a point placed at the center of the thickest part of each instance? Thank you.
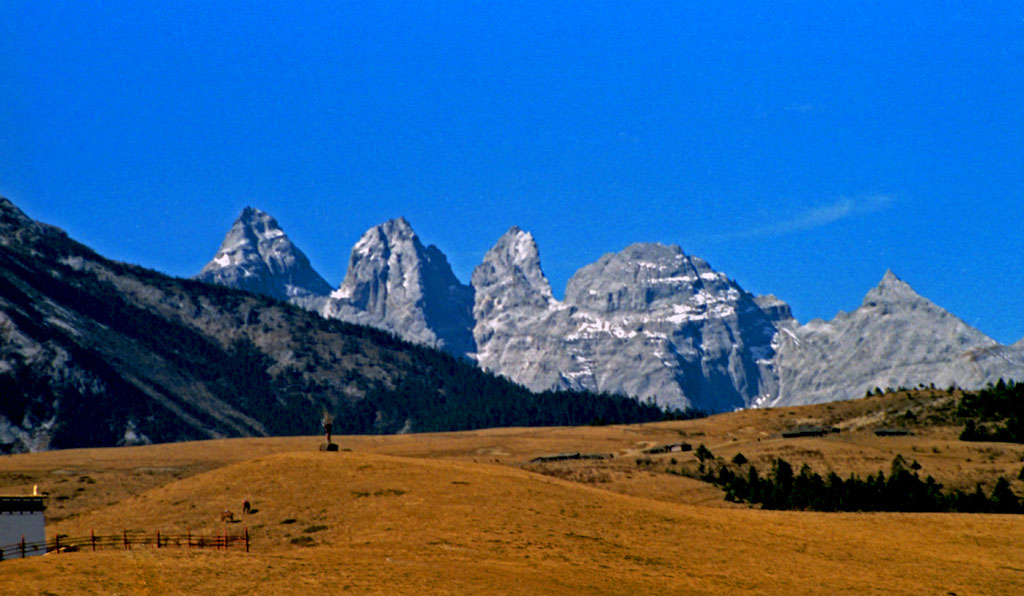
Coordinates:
(647, 321)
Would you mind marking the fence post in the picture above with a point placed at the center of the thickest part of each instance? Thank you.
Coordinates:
(56, 543)
(92, 539)
(188, 536)
(247, 539)
(126, 547)
(158, 538)
(22, 546)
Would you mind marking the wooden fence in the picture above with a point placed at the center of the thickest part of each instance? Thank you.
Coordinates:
(127, 540)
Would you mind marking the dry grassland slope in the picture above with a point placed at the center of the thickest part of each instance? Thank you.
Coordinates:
(382, 524)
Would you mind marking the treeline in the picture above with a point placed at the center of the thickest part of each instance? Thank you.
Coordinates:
(995, 413)
(435, 392)
(903, 490)
(450, 394)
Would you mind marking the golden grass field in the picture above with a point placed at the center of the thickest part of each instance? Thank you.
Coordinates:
(465, 513)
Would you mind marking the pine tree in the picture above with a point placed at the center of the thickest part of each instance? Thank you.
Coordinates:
(1003, 500)
(782, 481)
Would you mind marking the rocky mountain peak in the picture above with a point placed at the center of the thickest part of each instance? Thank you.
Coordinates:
(512, 268)
(256, 255)
(891, 290)
(648, 321)
(385, 262)
(644, 277)
(257, 225)
(521, 246)
(250, 214)
(398, 227)
(511, 297)
(396, 283)
(895, 338)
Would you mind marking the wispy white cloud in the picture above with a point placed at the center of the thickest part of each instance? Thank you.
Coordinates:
(818, 217)
(805, 108)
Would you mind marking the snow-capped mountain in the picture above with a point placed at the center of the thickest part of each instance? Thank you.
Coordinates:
(649, 321)
(395, 283)
(257, 256)
(895, 338)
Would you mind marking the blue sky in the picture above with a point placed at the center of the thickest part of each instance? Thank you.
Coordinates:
(803, 148)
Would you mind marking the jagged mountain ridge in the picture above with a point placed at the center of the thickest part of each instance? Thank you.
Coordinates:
(649, 321)
(393, 282)
(95, 353)
(652, 322)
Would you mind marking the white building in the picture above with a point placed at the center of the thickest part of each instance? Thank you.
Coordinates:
(22, 517)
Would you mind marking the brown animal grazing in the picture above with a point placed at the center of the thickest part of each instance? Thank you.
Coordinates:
(227, 516)
(246, 507)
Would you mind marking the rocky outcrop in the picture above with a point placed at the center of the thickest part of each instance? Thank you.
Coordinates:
(895, 338)
(258, 257)
(395, 283)
(650, 322)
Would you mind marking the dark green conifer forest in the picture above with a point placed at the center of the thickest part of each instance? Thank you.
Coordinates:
(902, 490)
